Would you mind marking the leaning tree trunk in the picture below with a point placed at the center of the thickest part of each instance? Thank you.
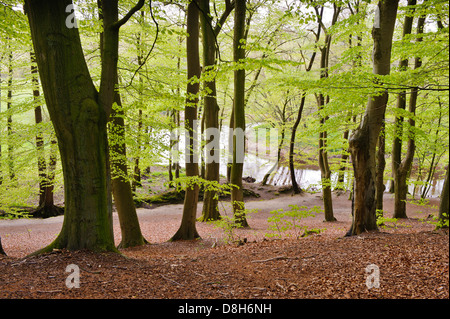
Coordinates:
(121, 187)
(362, 144)
(187, 230)
(295, 187)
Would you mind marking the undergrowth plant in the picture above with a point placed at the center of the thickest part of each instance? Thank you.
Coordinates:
(287, 223)
(229, 224)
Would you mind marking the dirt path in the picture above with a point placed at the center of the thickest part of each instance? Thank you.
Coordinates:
(23, 236)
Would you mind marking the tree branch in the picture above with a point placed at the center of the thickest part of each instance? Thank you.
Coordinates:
(130, 13)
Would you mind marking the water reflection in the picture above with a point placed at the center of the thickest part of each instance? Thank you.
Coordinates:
(310, 179)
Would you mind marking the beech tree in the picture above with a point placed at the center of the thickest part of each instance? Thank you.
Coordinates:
(237, 197)
(403, 168)
(363, 142)
(79, 114)
(211, 108)
(188, 230)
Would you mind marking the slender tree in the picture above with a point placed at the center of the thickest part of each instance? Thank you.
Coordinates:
(321, 102)
(404, 167)
(187, 229)
(401, 99)
(121, 186)
(237, 197)
(362, 144)
(211, 108)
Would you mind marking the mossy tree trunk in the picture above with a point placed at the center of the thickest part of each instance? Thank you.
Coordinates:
(362, 144)
(79, 115)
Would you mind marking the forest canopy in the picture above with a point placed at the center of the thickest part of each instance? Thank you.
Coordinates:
(95, 94)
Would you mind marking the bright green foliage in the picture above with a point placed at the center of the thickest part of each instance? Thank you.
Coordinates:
(287, 223)
(279, 46)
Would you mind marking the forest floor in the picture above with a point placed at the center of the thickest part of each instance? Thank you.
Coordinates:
(412, 258)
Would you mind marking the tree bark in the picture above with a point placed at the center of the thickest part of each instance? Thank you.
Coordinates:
(362, 144)
(321, 102)
(79, 115)
(80, 125)
(187, 230)
(380, 166)
(402, 172)
(401, 104)
(295, 187)
(121, 187)
(211, 108)
(237, 197)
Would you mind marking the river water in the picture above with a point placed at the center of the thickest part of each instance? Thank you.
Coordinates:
(258, 162)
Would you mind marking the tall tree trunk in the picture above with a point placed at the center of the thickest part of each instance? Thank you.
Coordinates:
(121, 186)
(187, 230)
(80, 125)
(295, 186)
(362, 144)
(403, 169)
(237, 197)
(401, 102)
(211, 114)
(136, 181)
(79, 114)
(322, 101)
